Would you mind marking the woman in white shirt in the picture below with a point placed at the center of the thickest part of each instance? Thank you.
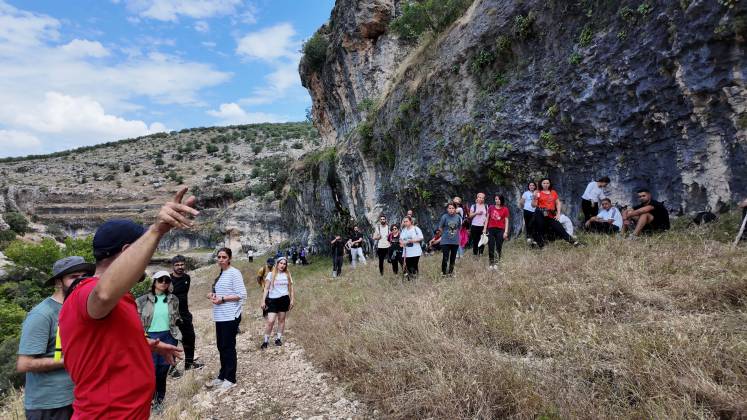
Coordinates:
(593, 194)
(525, 203)
(409, 239)
(228, 296)
(278, 298)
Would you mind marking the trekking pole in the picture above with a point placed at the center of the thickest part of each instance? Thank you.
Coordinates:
(741, 232)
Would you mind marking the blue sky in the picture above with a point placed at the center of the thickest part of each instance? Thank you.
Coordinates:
(75, 73)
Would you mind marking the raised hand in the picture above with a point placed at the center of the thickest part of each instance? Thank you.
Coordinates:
(176, 214)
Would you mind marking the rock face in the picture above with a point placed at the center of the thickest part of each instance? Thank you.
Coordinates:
(651, 94)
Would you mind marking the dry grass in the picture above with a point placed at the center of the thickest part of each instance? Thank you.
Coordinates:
(654, 328)
(11, 406)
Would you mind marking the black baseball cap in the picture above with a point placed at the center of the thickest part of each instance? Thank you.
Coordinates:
(113, 235)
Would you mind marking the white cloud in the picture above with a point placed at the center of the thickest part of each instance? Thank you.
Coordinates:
(62, 93)
(18, 142)
(81, 116)
(208, 44)
(202, 26)
(170, 10)
(283, 78)
(269, 44)
(233, 114)
(84, 47)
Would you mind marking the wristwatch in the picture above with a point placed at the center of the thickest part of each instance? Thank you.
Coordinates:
(223, 299)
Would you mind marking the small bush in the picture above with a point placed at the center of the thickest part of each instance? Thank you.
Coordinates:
(524, 26)
(17, 222)
(159, 162)
(419, 17)
(586, 36)
(297, 145)
(217, 167)
(575, 58)
(211, 148)
(6, 237)
(39, 256)
(315, 51)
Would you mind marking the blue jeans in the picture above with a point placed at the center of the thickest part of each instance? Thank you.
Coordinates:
(162, 367)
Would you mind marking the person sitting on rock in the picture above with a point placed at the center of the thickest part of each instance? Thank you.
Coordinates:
(649, 216)
(547, 203)
(608, 220)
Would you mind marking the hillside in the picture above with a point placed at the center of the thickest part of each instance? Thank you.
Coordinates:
(426, 100)
(238, 173)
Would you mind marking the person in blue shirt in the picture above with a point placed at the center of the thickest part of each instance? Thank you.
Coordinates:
(49, 389)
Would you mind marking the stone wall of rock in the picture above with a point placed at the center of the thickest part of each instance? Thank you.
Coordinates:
(651, 94)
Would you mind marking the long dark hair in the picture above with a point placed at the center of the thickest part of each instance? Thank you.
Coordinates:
(230, 255)
(539, 187)
(530, 183)
(153, 287)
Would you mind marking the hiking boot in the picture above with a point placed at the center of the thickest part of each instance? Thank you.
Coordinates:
(278, 342)
(174, 372)
(263, 346)
(194, 365)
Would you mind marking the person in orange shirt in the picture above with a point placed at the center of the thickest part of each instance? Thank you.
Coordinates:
(547, 214)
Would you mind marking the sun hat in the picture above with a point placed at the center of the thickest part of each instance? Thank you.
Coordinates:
(69, 265)
(162, 273)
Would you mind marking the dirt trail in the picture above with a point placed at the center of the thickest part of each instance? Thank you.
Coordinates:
(276, 383)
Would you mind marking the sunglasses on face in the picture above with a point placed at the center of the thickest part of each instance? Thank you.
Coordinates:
(222, 257)
(163, 280)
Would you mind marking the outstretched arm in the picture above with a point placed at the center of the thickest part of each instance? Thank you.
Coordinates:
(128, 268)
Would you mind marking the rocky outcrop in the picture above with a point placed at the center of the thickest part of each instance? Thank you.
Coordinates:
(651, 94)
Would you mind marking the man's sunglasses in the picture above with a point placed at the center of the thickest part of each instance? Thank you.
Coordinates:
(164, 280)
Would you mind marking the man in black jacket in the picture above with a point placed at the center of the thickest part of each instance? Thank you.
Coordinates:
(180, 281)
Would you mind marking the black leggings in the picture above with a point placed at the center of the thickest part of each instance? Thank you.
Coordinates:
(225, 334)
(337, 264)
(382, 253)
(411, 264)
(449, 256)
(528, 223)
(589, 209)
(162, 371)
(544, 224)
(188, 339)
(474, 236)
(495, 243)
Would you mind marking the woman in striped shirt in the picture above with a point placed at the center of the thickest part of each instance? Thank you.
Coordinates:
(278, 298)
(228, 296)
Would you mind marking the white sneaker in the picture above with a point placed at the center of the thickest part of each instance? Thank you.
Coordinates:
(227, 385)
(214, 382)
(334, 274)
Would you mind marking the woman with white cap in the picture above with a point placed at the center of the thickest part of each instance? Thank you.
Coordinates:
(278, 298)
(159, 313)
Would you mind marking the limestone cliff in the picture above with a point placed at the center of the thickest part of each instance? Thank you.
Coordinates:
(650, 93)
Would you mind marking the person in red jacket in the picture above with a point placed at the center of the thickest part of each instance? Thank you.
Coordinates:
(104, 345)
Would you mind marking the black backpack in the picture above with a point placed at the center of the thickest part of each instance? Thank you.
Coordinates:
(704, 217)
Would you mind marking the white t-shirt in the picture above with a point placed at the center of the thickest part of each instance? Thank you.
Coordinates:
(593, 193)
(479, 220)
(612, 214)
(415, 233)
(230, 283)
(528, 196)
(279, 288)
(567, 224)
(382, 231)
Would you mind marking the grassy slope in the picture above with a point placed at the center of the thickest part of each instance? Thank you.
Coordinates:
(648, 328)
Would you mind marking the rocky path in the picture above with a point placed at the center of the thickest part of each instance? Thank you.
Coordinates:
(278, 383)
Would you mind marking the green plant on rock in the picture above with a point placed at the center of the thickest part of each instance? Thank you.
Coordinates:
(17, 222)
(552, 111)
(420, 16)
(502, 45)
(586, 36)
(575, 58)
(547, 140)
(366, 105)
(524, 26)
(481, 60)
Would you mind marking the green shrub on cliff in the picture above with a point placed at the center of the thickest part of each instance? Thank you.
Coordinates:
(17, 222)
(315, 51)
(421, 16)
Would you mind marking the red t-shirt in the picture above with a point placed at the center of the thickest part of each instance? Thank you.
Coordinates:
(497, 217)
(108, 359)
(547, 201)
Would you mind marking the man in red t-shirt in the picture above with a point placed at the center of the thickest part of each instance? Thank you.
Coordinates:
(103, 341)
(498, 216)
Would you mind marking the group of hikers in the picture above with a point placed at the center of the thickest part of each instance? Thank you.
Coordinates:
(480, 224)
(91, 350)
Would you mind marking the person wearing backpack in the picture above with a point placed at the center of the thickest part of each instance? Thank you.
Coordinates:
(478, 217)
